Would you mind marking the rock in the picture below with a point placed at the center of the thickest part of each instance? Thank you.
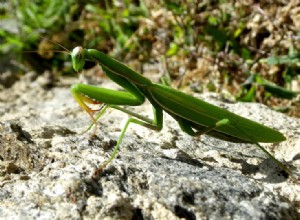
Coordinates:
(47, 165)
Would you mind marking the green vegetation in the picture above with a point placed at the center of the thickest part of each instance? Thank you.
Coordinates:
(250, 50)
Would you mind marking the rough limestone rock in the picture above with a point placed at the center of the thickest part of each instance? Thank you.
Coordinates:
(46, 165)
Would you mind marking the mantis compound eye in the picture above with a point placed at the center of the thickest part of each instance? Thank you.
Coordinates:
(78, 58)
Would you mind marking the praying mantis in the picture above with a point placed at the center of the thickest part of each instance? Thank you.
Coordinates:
(194, 116)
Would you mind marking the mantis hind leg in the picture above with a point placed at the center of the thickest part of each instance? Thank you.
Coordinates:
(193, 129)
(187, 127)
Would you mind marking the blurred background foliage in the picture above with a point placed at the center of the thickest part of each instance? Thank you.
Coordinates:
(249, 49)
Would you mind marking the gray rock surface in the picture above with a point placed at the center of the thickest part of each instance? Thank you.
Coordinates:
(46, 165)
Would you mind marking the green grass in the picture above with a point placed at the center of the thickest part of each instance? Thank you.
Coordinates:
(202, 45)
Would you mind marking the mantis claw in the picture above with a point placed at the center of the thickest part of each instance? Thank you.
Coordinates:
(82, 100)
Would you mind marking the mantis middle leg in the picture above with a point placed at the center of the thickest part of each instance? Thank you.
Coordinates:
(111, 98)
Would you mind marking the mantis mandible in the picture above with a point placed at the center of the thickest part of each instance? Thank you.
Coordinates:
(194, 116)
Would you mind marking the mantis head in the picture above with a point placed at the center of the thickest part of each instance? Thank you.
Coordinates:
(78, 58)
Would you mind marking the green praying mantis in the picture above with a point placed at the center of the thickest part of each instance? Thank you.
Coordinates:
(194, 116)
